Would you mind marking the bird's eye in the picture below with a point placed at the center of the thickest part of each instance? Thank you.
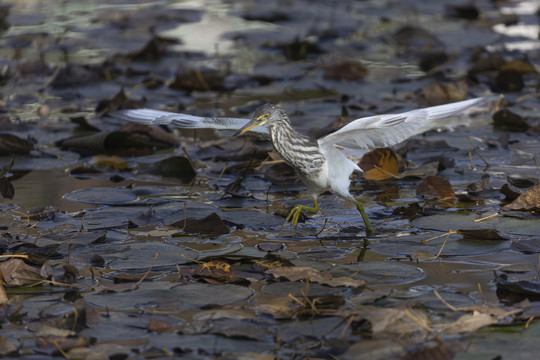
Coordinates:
(263, 117)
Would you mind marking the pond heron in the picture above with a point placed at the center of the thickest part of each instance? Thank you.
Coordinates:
(320, 163)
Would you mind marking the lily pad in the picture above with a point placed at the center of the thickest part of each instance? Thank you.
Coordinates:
(137, 255)
(102, 196)
(445, 222)
(167, 296)
(380, 273)
(455, 245)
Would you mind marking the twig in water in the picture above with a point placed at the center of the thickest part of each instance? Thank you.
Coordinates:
(478, 152)
(450, 232)
(487, 217)
(147, 271)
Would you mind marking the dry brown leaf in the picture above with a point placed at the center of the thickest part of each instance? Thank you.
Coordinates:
(3, 296)
(483, 234)
(160, 326)
(16, 272)
(379, 164)
(6, 347)
(437, 187)
(105, 161)
(396, 322)
(529, 200)
(469, 323)
(297, 273)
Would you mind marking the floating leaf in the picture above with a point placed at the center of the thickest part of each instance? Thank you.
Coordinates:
(212, 224)
(437, 187)
(478, 186)
(12, 144)
(178, 167)
(347, 70)
(16, 272)
(379, 164)
(505, 119)
(529, 200)
(482, 234)
(113, 161)
(296, 273)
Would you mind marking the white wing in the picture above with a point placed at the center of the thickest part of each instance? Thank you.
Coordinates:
(185, 121)
(387, 130)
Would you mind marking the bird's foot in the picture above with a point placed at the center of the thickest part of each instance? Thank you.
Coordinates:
(295, 213)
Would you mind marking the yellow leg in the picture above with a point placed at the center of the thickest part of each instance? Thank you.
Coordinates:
(294, 215)
(360, 208)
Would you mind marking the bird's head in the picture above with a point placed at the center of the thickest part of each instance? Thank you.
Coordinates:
(267, 115)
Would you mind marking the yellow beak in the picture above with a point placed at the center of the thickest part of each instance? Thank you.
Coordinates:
(250, 125)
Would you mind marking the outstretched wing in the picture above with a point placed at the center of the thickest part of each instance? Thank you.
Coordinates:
(185, 121)
(386, 130)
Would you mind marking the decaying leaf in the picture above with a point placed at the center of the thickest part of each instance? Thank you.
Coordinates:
(478, 186)
(6, 347)
(529, 200)
(437, 187)
(469, 323)
(483, 234)
(6, 188)
(112, 161)
(505, 119)
(297, 273)
(347, 70)
(16, 272)
(439, 92)
(12, 144)
(394, 322)
(50, 344)
(214, 272)
(212, 224)
(379, 164)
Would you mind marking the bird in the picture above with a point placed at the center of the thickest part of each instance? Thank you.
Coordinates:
(321, 163)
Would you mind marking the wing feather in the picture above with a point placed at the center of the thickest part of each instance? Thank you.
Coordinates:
(185, 121)
(387, 130)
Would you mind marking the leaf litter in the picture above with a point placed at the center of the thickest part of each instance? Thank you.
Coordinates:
(114, 241)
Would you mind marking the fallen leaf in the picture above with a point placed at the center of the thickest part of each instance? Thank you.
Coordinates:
(212, 224)
(118, 102)
(178, 167)
(346, 70)
(297, 273)
(112, 161)
(482, 234)
(442, 92)
(469, 323)
(437, 187)
(12, 144)
(6, 347)
(462, 11)
(528, 201)
(145, 219)
(379, 164)
(16, 272)
(160, 326)
(478, 186)
(505, 119)
(509, 193)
